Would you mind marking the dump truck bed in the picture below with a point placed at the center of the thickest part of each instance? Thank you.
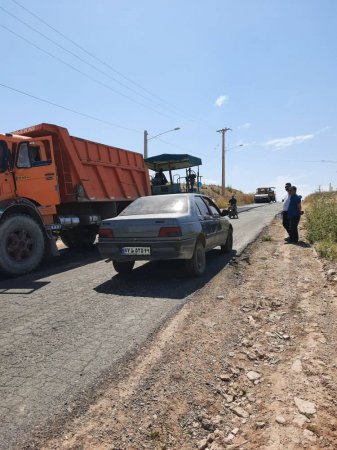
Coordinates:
(101, 172)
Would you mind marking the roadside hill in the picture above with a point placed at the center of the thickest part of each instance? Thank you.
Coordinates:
(214, 191)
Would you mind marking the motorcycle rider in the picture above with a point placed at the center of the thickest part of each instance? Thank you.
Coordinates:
(233, 203)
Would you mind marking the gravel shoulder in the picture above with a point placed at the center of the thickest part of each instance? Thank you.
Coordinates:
(249, 362)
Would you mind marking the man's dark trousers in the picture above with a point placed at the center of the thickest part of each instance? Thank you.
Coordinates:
(285, 221)
(293, 231)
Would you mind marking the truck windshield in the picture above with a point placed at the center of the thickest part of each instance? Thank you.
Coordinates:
(30, 155)
(157, 205)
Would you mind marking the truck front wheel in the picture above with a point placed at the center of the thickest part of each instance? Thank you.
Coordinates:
(21, 244)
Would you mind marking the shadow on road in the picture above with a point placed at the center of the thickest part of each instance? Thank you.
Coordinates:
(69, 259)
(303, 244)
(27, 287)
(164, 279)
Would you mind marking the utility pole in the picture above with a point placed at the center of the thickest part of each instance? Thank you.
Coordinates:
(223, 132)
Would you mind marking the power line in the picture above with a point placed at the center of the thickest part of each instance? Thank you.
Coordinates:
(97, 58)
(68, 109)
(86, 115)
(80, 71)
(82, 48)
(322, 161)
(30, 27)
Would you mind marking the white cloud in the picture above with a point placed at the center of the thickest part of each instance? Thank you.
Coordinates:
(220, 101)
(280, 143)
(322, 130)
(245, 126)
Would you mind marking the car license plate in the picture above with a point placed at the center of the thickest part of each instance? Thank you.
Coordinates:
(136, 251)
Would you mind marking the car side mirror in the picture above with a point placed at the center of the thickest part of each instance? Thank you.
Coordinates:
(224, 212)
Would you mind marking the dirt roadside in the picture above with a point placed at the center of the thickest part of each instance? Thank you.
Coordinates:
(248, 363)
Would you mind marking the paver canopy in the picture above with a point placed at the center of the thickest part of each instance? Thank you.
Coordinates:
(168, 161)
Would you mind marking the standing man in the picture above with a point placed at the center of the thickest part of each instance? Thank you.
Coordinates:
(294, 214)
(285, 219)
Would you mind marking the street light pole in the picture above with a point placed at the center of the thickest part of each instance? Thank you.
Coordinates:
(223, 131)
(145, 143)
(146, 138)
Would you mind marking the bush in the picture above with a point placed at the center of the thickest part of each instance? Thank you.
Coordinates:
(321, 223)
(327, 249)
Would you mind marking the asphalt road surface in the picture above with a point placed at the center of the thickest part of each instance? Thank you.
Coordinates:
(67, 328)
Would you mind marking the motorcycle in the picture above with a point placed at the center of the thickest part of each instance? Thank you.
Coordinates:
(233, 212)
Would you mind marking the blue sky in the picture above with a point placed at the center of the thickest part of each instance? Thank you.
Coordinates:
(265, 68)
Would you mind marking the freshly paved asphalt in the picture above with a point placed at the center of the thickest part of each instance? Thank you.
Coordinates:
(66, 329)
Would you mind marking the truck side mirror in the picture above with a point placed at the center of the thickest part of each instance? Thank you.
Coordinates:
(6, 160)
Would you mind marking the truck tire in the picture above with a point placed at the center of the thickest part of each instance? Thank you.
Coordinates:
(197, 264)
(228, 246)
(78, 237)
(123, 267)
(21, 244)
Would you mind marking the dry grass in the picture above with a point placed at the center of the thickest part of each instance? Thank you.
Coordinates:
(321, 223)
(214, 191)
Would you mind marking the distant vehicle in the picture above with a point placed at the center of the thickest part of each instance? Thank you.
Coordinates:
(174, 226)
(265, 195)
(166, 162)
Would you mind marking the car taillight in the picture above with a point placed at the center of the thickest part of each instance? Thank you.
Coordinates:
(105, 233)
(169, 232)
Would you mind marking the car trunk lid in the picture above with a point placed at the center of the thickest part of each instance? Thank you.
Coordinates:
(140, 227)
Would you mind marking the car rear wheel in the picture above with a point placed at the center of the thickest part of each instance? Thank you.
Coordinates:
(123, 267)
(228, 246)
(196, 265)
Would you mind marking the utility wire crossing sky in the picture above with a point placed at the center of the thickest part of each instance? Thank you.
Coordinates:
(110, 70)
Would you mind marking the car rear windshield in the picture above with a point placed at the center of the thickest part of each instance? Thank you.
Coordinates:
(157, 205)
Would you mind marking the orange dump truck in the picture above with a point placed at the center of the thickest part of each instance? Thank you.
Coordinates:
(53, 184)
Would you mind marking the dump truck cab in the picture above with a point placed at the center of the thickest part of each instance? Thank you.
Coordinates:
(7, 187)
(265, 195)
(28, 172)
